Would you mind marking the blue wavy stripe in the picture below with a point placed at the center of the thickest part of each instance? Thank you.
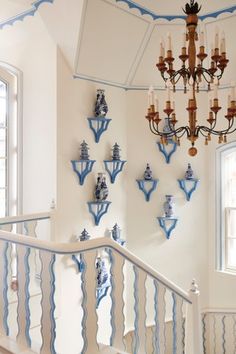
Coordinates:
(27, 296)
(84, 307)
(136, 311)
(52, 303)
(5, 289)
(174, 315)
(20, 17)
(145, 11)
(112, 311)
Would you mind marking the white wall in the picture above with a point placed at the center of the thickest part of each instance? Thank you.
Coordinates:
(222, 285)
(28, 47)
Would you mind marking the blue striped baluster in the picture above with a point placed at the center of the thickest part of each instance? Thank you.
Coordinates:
(234, 333)
(23, 309)
(204, 332)
(4, 329)
(48, 324)
(214, 333)
(178, 333)
(117, 307)
(223, 335)
(139, 342)
(159, 340)
(89, 319)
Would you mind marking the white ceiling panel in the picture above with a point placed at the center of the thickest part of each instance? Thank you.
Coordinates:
(147, 72)
(111, 38)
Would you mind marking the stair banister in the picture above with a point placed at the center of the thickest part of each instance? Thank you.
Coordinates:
(97, 243)
(89, 249)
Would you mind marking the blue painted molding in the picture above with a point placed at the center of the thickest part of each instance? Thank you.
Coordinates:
(98, 125)
(188, 186)
(98, 209)
(5, 287)
(82, 168)
(167, 150)
(27, 296)
(113, 168)
(167, 224)
(30, 12)
(146, 11)
(147, 187)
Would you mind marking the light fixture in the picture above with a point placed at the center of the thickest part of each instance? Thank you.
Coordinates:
(192, 73)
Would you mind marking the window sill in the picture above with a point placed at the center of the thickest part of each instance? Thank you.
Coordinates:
(227, 272)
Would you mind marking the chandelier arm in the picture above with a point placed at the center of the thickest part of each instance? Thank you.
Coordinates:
(218, 132)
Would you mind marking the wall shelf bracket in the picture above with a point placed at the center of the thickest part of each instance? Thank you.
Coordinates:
(147, 187)
(82, 168)
(188, 186)
(98, 125)
(167, 150)
(98, 209)
(167, 224)
(113, 168)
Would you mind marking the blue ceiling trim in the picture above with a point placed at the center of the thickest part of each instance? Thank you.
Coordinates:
(20, 17)
(145, 11)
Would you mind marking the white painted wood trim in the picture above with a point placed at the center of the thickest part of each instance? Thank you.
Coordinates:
(101, 242)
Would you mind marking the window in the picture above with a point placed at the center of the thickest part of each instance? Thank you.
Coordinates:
(9, 143)
(226, 190)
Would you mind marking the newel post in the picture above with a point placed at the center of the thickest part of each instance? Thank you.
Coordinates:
(194, 338)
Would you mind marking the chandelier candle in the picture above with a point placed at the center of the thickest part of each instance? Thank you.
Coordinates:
(192, 73)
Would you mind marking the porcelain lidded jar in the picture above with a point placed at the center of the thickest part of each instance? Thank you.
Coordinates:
(101, 190)
(169, 206)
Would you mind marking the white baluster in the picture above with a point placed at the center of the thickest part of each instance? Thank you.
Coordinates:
(160, 312)
(23, 310)
(30, 228)
(53, 220)
(178, 325)
(89, 320)
(48, 306)
(194, 339)
(117, 309)
(140, 311)
(3, 288)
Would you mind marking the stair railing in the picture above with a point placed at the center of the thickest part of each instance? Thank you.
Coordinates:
(189, 342)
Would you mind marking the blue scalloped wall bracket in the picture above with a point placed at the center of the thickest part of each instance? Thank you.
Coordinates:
(98, 125)
(98, 209)
(113, 168)
(167, 224)
(188, 186)
(145, 11)
(147, 187)
(167, 150)
(82, 168)
(30, 12)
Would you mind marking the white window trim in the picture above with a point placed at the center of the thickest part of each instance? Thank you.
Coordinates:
(19, 122)
(221, 214)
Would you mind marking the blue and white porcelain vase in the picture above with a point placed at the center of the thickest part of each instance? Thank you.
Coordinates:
(101, 107)
(101, 190)
(169, 206)
(189, 172)
(148, 173)
(102, 274)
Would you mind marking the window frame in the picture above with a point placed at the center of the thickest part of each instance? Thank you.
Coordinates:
(12, 77)
(222, 212)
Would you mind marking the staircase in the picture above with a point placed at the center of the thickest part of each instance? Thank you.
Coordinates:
(30, 326)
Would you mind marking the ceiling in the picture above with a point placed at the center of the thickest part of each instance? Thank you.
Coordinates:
(116, 42)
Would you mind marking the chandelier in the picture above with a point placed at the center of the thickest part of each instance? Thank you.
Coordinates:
(192, 73)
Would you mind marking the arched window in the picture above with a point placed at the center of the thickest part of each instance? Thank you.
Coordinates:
(10, 167)
(226, 202)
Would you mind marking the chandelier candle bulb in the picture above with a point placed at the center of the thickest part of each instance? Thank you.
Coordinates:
(223, 44)
(156, 104)
(217, 38)
(184, 40)
(201, 39)
(232, 91)
(169, 42)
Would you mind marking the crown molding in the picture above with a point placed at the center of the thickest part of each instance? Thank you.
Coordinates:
(21, 16)
(145, 11)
